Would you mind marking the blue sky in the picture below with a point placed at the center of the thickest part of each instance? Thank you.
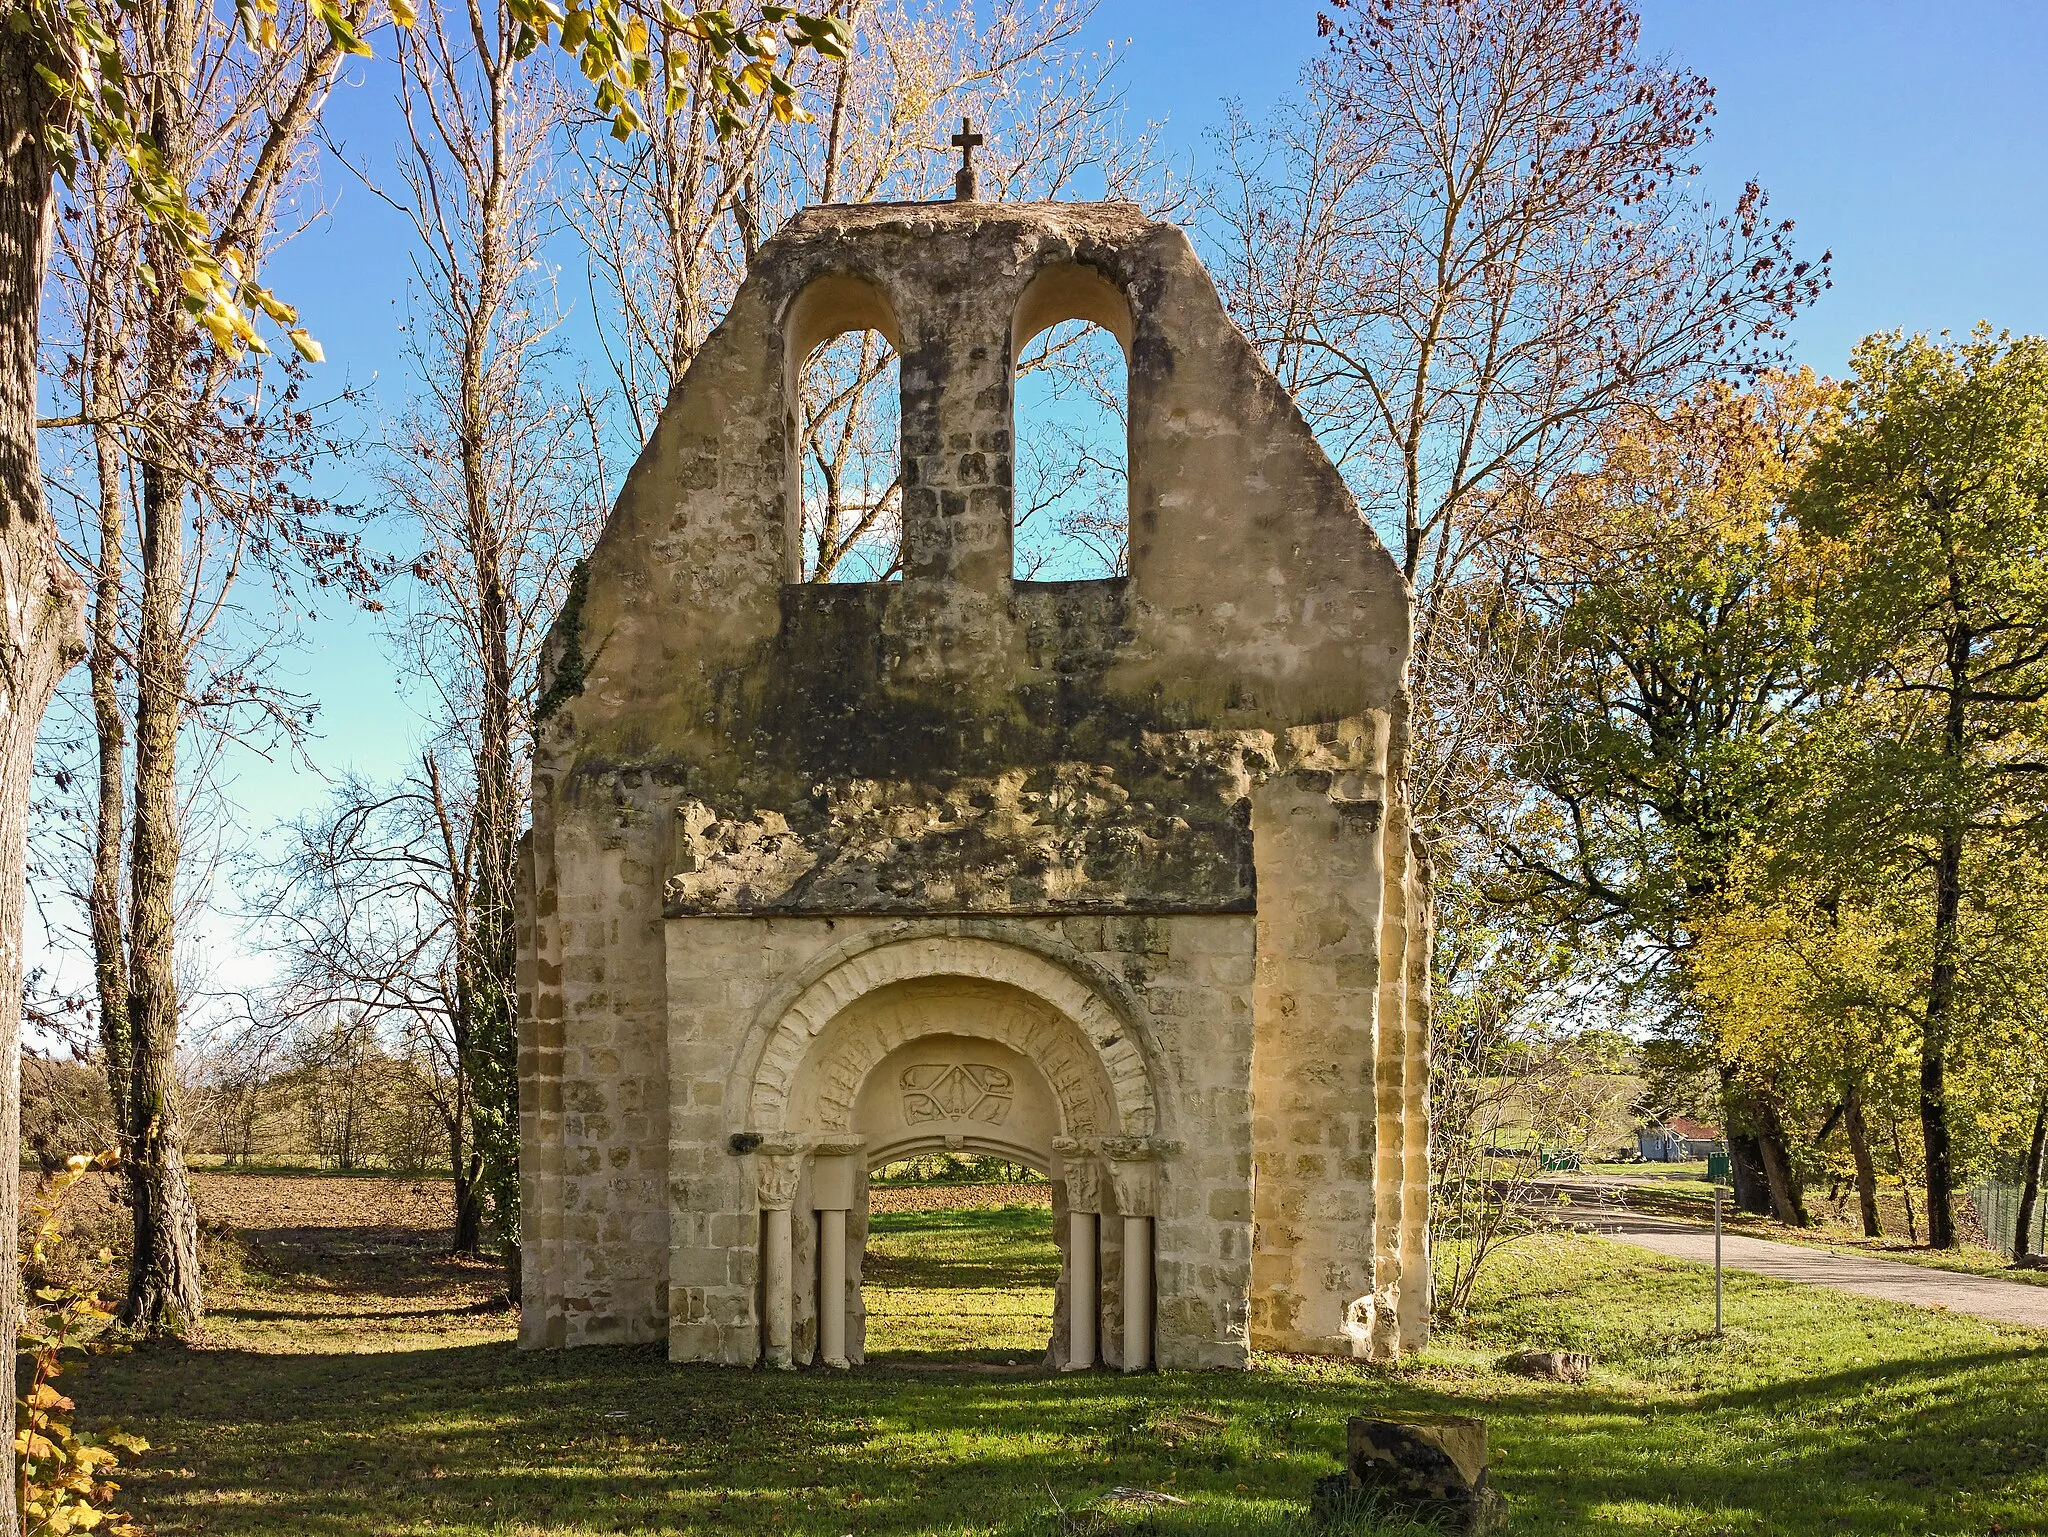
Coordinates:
(1906, 137)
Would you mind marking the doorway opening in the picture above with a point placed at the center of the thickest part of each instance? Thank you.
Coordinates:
(961, 1261)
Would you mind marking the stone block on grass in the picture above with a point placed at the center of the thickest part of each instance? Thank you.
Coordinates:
(1550, 1365)
(1420, 1467)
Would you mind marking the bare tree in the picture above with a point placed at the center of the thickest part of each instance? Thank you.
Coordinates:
(672, 220)
(43, 633)
(1467, 246)
(201, 446)
(231, 1086)
(497, 470)
(1472, 241)
(330, 1073)
(368, 906)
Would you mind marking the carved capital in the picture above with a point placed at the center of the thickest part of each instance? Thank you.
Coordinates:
(834, 1164)
(1083, 1174)
(1134, 1175)
(779, 1174)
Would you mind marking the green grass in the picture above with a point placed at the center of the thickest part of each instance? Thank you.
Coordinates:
(370, 1393)
(995, 1266)
(1692, 1172)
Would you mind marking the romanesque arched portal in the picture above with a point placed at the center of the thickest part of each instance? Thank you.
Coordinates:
(952, 1041)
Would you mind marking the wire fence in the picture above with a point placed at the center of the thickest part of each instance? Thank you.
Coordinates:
(1998, 1213)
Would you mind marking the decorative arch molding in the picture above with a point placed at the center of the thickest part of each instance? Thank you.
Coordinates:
(1096, 1004)
(834, 1067)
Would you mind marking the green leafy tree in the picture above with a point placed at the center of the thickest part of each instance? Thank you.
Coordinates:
(1673, 602)
(1936, 491)
(1805, 986)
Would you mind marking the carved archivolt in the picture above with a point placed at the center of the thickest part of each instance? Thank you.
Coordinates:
(829, 1080)
(822, 1047)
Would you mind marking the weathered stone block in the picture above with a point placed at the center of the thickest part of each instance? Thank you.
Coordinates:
(1424, 1467)
(1551, 1365)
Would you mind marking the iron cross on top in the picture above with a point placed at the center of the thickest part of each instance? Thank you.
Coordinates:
(965, 141)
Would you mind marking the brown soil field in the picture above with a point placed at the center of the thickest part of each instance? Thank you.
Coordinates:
(270, 1208)
(883, 1198)
(261, 1202)
(308, 1262)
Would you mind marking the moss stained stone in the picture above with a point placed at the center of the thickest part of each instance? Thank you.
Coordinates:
(1112, 877)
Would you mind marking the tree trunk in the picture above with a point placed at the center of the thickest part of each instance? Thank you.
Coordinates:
(1905, 1185)
(41, 612)
(1746, 1173)
(1759, 1157)
(1866, 1170)
(1941, 988)
(485, 980)
(2030, 1189)
(109, 938)
(1941, 982)
(1788, 1197)
(163, 1277)
(469, 1206)
(1745, 1151)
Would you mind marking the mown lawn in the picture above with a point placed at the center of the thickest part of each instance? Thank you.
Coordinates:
(369, 1390)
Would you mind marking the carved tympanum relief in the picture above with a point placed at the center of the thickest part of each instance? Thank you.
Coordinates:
(956, 1091)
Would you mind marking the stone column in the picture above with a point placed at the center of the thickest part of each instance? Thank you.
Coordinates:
(1137, 1293)
(1133, 1173)
(1084, 1206)
(779, 1173)
(832, 1287)
(832, 1169)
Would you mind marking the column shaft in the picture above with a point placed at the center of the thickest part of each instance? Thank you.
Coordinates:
(778, 1304)
(1137, 1293)
(1083, 1299)
(832, 1288)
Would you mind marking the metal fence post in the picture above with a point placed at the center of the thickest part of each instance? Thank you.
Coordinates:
(1717, 1260)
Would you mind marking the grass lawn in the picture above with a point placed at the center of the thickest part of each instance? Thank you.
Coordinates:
(363, 1384)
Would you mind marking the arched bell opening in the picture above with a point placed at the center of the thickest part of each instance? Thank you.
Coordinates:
(1070, 344)
(843, 432)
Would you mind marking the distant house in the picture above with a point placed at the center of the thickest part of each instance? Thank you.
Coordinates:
(1679, 1139)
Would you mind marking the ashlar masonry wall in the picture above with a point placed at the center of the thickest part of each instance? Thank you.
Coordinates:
(1115, 877)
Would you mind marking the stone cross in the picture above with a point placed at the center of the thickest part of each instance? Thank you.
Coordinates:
(965, 141)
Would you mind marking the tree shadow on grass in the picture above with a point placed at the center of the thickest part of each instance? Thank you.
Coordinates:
(1886, 1449)
(985, 1249)
(398, 1263)
(485, 1438)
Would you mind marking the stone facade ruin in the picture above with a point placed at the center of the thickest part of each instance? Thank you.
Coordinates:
(1114, 878)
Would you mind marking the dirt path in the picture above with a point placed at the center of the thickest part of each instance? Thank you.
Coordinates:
(2012, 1302)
